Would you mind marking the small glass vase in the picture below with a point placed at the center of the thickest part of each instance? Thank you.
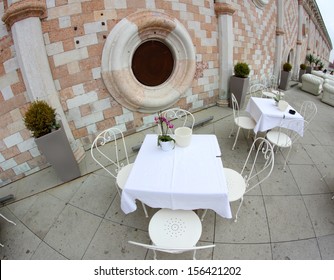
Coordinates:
(167, 145)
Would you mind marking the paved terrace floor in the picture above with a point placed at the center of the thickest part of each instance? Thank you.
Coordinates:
(291, 216)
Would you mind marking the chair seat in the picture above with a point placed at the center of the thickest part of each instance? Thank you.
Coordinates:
(175, 228)
(268, 94)
(123, 175)
(279, 139)
(236, 184)
(245, 122)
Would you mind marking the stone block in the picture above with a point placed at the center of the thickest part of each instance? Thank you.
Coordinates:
(21, 168)
(94, 27)
(67, 57)
(82, 99)
(26, 145)
(54, 48)
(8, 164)
(13, 140)
(86, 40)
(7, 93)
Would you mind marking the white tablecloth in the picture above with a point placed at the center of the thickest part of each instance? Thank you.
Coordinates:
(267, 115)
(186, 178)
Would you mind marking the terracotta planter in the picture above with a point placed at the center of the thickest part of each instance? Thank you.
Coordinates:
(301, 73)
(284, 82)
(57, 151)
(239, 87)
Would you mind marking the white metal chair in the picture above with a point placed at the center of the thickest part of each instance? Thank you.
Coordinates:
(257, 90)
(180, 117)
(175, 232)
(245, 122)
(257, 168)
(273, 82)
(308, 110)
(285, 137)
(2, 216)
(110, 157)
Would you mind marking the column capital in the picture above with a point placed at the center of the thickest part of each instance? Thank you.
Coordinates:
(22, 10)
(224, 9)
(279, 31)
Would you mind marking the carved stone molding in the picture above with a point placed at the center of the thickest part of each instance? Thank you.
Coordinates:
(279, 32)
(22, 10)
(224, 9)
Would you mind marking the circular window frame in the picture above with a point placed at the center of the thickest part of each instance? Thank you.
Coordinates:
(122, 42)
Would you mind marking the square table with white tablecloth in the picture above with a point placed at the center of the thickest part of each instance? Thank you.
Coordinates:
(187, 178)
(267, 115)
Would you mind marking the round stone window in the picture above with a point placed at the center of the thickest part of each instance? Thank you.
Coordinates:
(148, 61)
(152, 63)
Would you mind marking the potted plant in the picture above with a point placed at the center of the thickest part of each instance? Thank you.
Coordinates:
(51, 139)
(302, 71)
(285, 76)
(316, 63)
(321, 65)
(165, 141)
(239, 83)
(310, 59)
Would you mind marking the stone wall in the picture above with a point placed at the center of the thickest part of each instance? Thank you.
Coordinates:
(75, 32)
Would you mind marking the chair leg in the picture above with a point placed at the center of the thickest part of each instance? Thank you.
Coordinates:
(286, 159)
(236, 138)
(145, 210)
(203, 215)
(155, 255)
(236, 215)
(7, 219)
(231, 131)
(194, 255)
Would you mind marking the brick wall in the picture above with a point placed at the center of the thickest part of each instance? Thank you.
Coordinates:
(74, 34)
(254, 35)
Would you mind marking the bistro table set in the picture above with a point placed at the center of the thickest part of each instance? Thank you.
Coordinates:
(191, 176)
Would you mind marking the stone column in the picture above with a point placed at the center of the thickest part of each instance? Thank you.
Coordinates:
(224, 12)
(298, 60)
(279, 38)
(24, 20)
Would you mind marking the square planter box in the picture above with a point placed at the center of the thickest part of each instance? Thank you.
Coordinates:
(301, 73)
(57, 151)
(239, 87)
(284, 82)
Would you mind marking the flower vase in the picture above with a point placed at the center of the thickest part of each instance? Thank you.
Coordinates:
(167, 145)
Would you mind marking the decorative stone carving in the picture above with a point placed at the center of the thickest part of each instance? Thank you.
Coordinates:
(118, 52)
(261, 3)
(22, 10)
(224, 9)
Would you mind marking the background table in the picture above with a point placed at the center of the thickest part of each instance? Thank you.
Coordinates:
(267, 115)
(186, 178)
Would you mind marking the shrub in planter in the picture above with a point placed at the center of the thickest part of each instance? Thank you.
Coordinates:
(285, 76)
(51, 139)
(287, 67)
(239, 83)
(241, 70)
(302, 71)
(40, 119)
